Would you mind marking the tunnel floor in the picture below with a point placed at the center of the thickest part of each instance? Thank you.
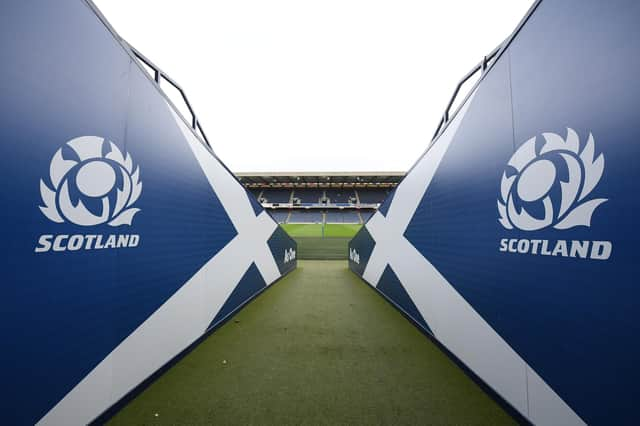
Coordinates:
(319, 347)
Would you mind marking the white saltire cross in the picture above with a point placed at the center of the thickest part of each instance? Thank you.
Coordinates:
(186, 315)
(450, 317)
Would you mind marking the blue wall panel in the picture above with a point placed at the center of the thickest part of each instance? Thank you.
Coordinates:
(284, 250)
(562, 97)
(250, 285)
(390, 286)
(70, 91)
(360, 248)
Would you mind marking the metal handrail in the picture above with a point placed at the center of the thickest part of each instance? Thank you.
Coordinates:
(480, 66)
(158, 76)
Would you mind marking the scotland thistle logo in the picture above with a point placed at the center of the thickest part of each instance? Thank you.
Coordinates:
(547, 184)
(92, 183)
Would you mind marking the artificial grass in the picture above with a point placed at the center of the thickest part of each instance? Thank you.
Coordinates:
(310, 248)
(318, 348)
(331, 230)
(303, 229)
(341, 230)
(313, 246)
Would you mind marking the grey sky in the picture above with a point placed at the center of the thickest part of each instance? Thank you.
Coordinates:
(337, 85)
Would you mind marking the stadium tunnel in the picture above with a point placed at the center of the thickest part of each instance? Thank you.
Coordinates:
(127, 241)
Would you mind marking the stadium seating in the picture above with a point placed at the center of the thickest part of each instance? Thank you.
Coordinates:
(305, 216)
(351, 217)
(276, 195)
(342, 216)
(279, 216)
(337, 196)
(366, 214)
(333, 196)
(333, 216)
(256, 192)
(372, 196)
(308, 195)
(329, 198)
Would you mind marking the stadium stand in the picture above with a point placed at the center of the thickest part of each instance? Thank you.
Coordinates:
(276, 196)
(256, 192)
(321, 225)
(306, 216)
(372, 196)
(342, 216)
(351, 216)
(307, 198)
(334, 216)
(305, 195)
(340, 196)
(279, 216)
(366, 214)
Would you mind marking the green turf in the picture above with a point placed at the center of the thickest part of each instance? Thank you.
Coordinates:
(319, 348)
(303, 229)
(341, 230)
(331, 230)
(310, 248)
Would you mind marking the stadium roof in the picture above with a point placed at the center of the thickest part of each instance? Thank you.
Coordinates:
(320, 179)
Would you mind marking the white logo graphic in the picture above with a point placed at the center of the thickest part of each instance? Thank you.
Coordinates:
(354, 256)
(91, 172)
(531, 199)
(289, 255)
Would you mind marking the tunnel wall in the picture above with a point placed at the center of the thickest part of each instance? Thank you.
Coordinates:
(513, 239)
(124, 238)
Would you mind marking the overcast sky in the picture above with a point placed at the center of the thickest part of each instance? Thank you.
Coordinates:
(333, 85)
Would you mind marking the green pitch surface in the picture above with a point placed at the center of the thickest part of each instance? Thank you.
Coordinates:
(331, 230)
(341, 230)
(319, 348)
(310, 248)
(312, 245)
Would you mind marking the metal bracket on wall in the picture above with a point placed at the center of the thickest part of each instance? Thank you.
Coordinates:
(159, 76)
